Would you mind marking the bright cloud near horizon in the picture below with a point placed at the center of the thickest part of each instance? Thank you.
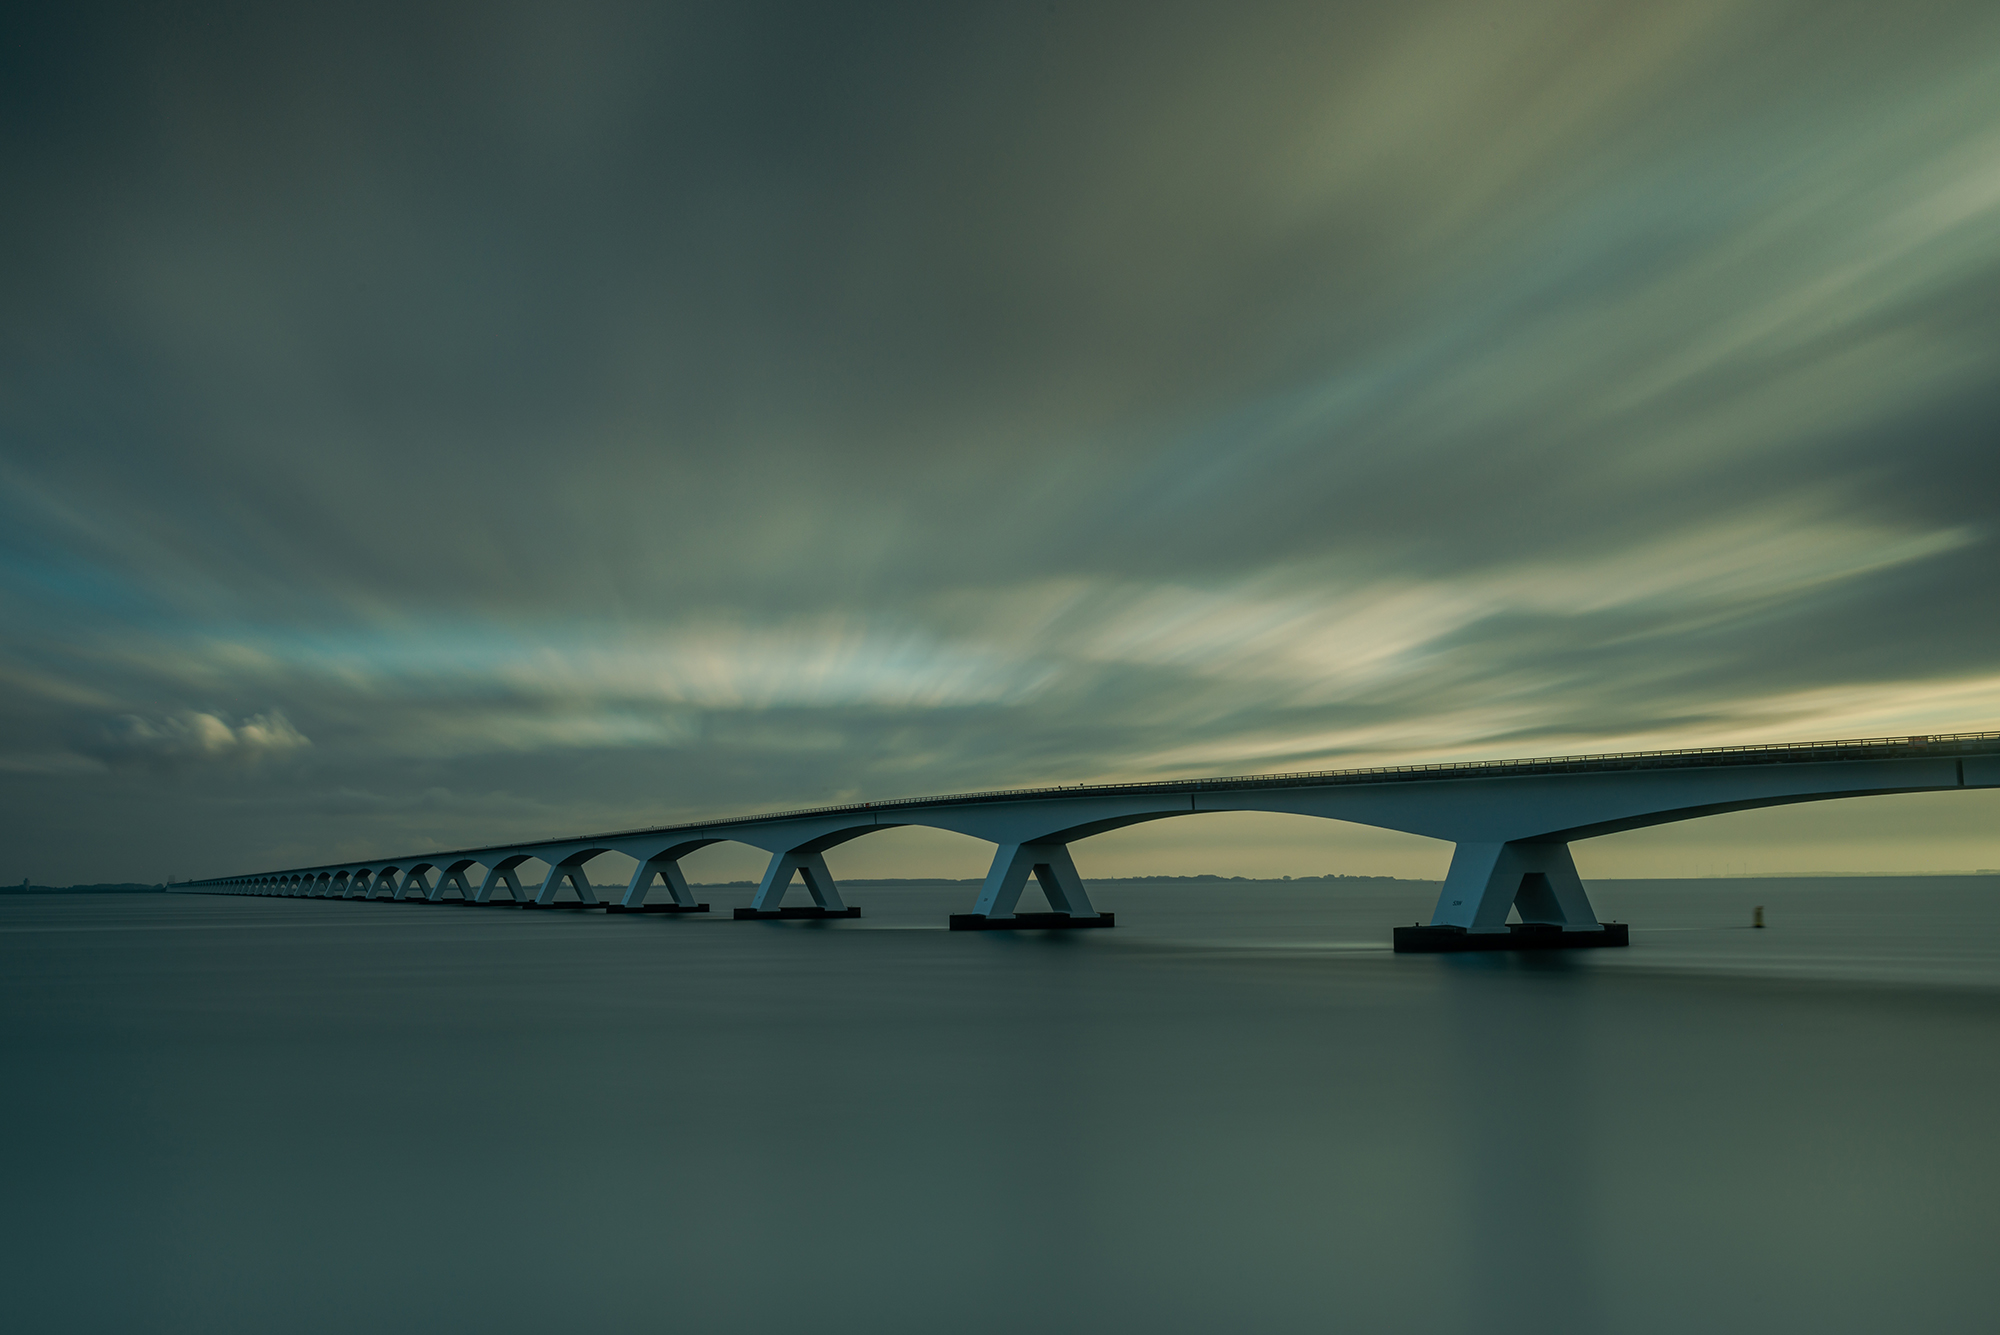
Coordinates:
(423, 426)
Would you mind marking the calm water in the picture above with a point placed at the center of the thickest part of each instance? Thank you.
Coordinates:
(1238, 1111)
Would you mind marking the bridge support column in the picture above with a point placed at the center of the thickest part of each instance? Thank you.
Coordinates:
(451, 877)
(1053, 870)
(819, 881)
(414, 879)
(499, 874)
(1486, 880)
(667, 867)
(571, 870)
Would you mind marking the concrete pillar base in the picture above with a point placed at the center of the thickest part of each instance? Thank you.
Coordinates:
(798, 911)
(1518, 936)
(979, 922)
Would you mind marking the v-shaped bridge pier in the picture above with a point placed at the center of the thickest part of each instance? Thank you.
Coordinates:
(1512, 883)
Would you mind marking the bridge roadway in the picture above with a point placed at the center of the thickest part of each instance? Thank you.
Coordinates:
(1512, 822)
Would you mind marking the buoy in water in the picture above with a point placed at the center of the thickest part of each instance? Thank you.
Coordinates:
(1757, 916)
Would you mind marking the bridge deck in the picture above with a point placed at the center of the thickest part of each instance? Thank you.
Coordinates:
(1932, 747)
(1944, 745)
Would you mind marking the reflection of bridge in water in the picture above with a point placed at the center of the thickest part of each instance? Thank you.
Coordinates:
(1512, 822)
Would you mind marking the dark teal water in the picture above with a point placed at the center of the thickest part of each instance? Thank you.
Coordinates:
(1236, 1111)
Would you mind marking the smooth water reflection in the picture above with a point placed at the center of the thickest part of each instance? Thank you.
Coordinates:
(1236, 1111)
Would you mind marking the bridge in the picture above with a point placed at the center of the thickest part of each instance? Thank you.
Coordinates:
(1512, 822)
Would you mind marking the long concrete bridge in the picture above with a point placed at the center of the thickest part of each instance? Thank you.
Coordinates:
(1512, 822)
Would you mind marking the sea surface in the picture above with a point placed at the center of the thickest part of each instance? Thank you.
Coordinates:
(1236, 1111)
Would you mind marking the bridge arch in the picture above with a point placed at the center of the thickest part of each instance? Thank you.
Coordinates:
(1511, 822)
(451, 875)
(500, 873)
(660, 860)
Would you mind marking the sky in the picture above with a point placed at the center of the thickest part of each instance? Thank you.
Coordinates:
(426, 425)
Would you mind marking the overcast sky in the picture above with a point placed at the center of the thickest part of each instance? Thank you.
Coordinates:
(423, 425)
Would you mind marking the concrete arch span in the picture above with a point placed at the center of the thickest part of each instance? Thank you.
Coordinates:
(796, 852)
(1511, 833)
(451, 876)
(661, 862)
(500, 874)
(1511, 823)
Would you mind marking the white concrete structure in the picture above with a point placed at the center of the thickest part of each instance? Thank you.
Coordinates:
(1512, 822)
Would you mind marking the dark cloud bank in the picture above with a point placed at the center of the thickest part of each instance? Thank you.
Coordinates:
(446, 423)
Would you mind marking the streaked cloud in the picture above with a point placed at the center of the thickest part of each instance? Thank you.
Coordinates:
(572, 419)
(193, 736)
